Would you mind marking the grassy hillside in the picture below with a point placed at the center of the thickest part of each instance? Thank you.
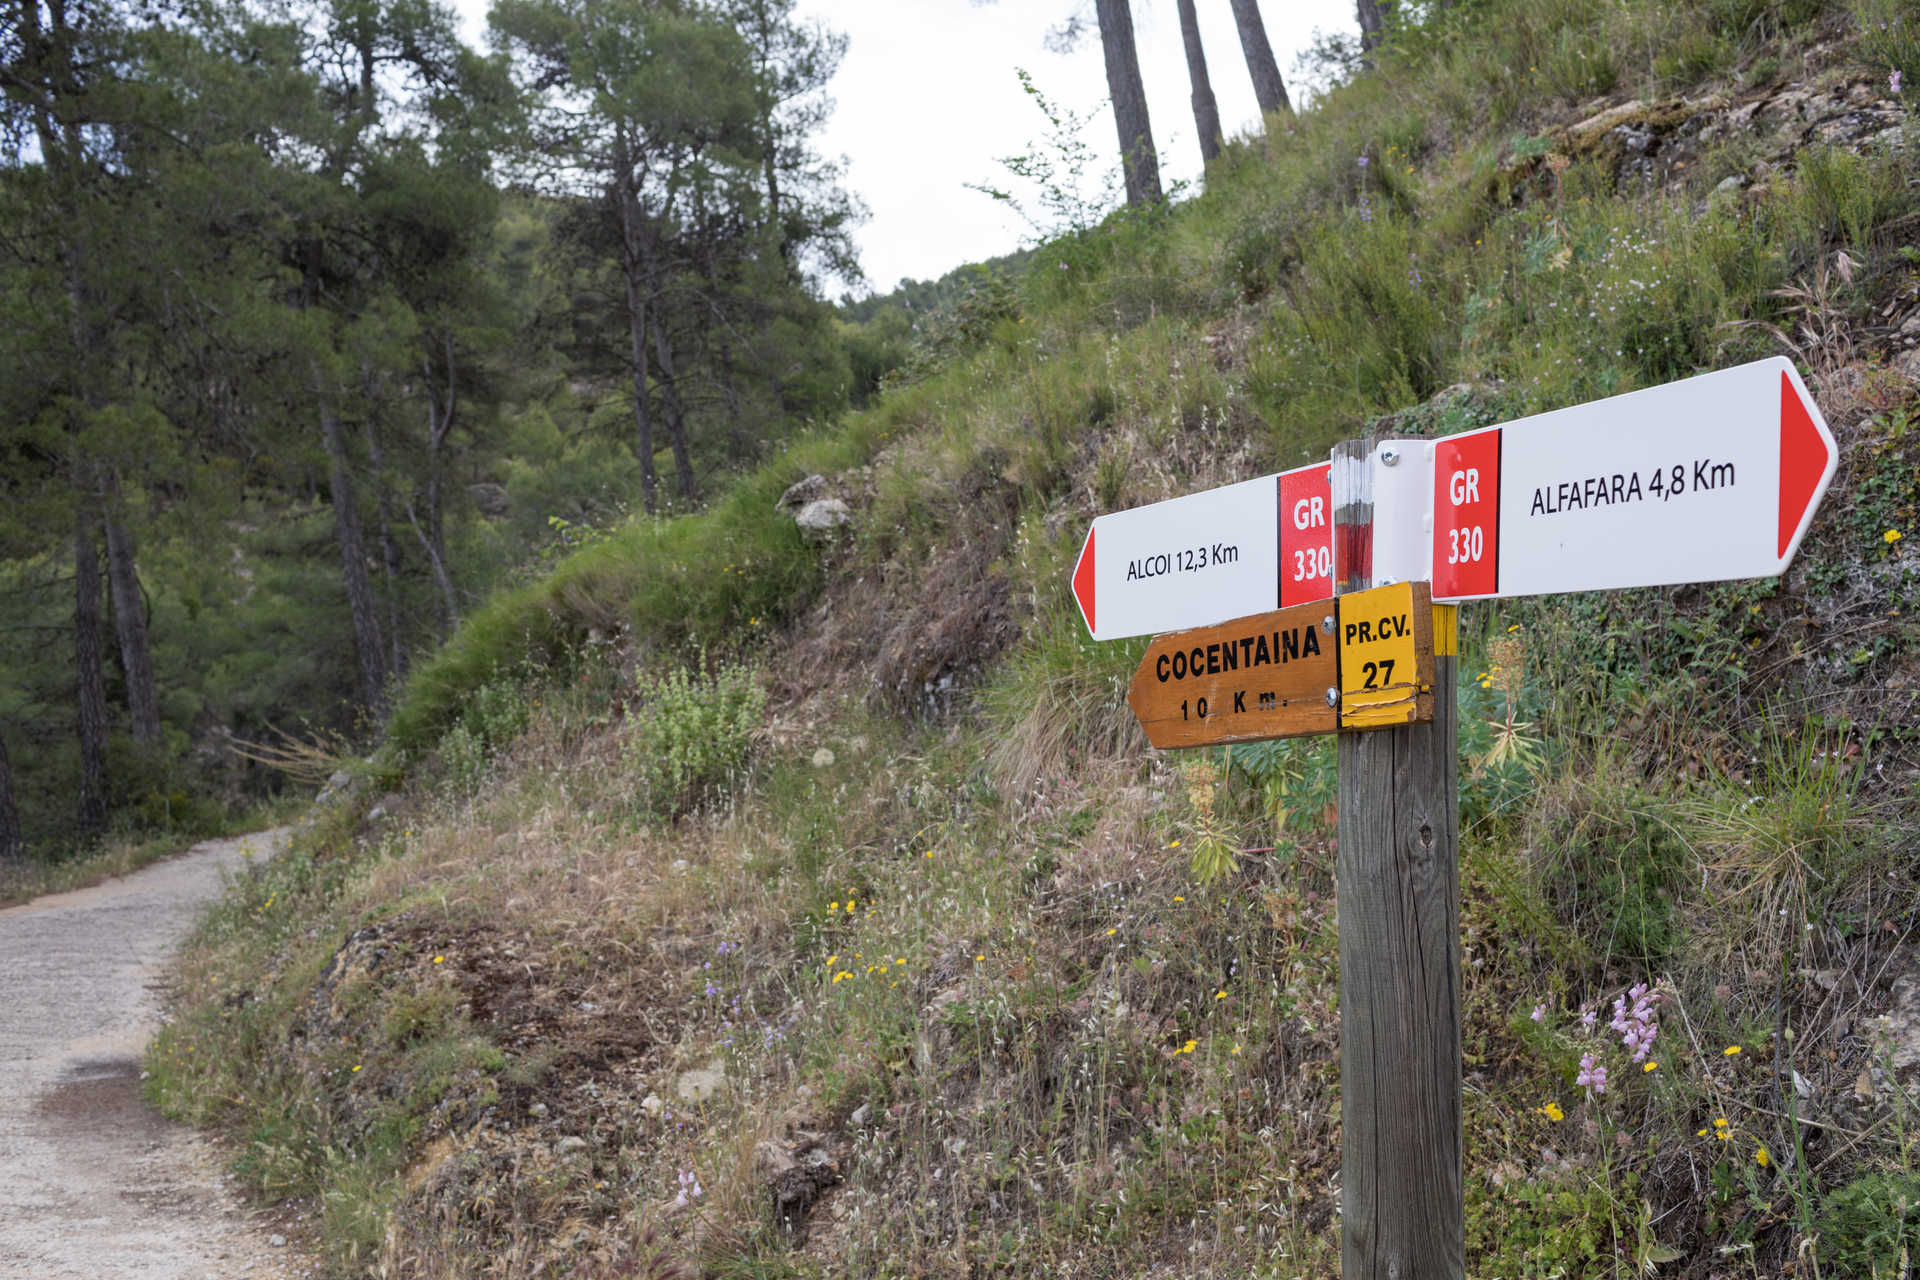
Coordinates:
(731, 904)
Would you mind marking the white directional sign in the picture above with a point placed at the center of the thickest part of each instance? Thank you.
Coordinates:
(1707, 479)
(1189, 562)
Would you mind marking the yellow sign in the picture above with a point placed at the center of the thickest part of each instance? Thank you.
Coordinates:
(1386, 656)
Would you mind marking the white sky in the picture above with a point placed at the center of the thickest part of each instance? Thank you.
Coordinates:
(926, 101)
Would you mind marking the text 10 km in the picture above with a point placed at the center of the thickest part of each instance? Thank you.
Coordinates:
(1199, 710)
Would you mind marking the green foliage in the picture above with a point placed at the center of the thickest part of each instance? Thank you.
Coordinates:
(692, 733)
(1298, 780)
(1848, 199)
(1611, 856)
(1871, 1226)
(1072, 199)
(1540, 1229)
(494, 714)
(1890, 38)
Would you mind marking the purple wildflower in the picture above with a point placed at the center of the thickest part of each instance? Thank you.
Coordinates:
(1592, 1075)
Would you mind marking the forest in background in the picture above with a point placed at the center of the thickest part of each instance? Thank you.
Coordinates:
(319, 324)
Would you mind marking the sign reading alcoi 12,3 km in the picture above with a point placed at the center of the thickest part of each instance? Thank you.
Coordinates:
(1703, 480)
(1224, 553)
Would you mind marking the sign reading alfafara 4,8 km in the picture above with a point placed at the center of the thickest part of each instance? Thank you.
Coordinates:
(1707, 479)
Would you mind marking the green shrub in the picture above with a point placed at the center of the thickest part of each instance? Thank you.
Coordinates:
(1890, 37)
(692, 735)
(1871, 1226)
(494, 715)
(497, 713)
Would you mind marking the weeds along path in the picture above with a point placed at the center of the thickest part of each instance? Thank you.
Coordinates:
(93, 1184)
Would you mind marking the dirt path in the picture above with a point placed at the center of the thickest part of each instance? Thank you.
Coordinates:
(93, 1185)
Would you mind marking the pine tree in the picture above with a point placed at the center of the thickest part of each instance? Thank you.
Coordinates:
(1206, 112)
(1139, 160)
(1268, 89)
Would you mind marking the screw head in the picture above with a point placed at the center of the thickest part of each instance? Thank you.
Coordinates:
(1333, 697)
(1388, 455)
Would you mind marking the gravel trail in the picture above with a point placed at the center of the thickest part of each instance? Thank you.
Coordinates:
(93, 1184)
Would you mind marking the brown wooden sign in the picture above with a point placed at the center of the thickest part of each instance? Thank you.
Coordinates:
(1264, 676)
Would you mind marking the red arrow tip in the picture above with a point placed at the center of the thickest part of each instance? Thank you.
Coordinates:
(1083, 581)
(1803, 460)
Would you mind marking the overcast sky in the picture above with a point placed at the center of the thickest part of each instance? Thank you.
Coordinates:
(926, 101)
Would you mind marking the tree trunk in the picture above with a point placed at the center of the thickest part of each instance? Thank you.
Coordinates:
(90, 678)
(13, 846)
(770, 168)
(1268, 88)
(1373, 23)
(440, 417)
(389, 549)
(1206, 112)
(631, 255)
(353, 561)
(1137, 156)
(676, 414)
(130, 622)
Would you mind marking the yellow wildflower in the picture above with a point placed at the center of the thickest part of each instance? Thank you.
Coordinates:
(1890, 537)
(1174, 845)
(1651, 1066)
(1730, 1051)
(356, 1067)
(1185, 1048)
(439, 959)
(1552, 1112)
(1111, 932)
(1761, 1158)
(1219, 995)
(1178, 898)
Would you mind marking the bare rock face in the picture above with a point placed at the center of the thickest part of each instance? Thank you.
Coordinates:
(800, 494)
(699, 1085)
(820, 519)
(1897, 1032)
(794, 1174)
(491, 501)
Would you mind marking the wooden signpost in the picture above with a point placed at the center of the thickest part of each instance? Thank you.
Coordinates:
(1709, 478)
(1268, 676)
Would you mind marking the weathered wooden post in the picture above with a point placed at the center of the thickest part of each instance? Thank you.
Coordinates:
(1402, 1186)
